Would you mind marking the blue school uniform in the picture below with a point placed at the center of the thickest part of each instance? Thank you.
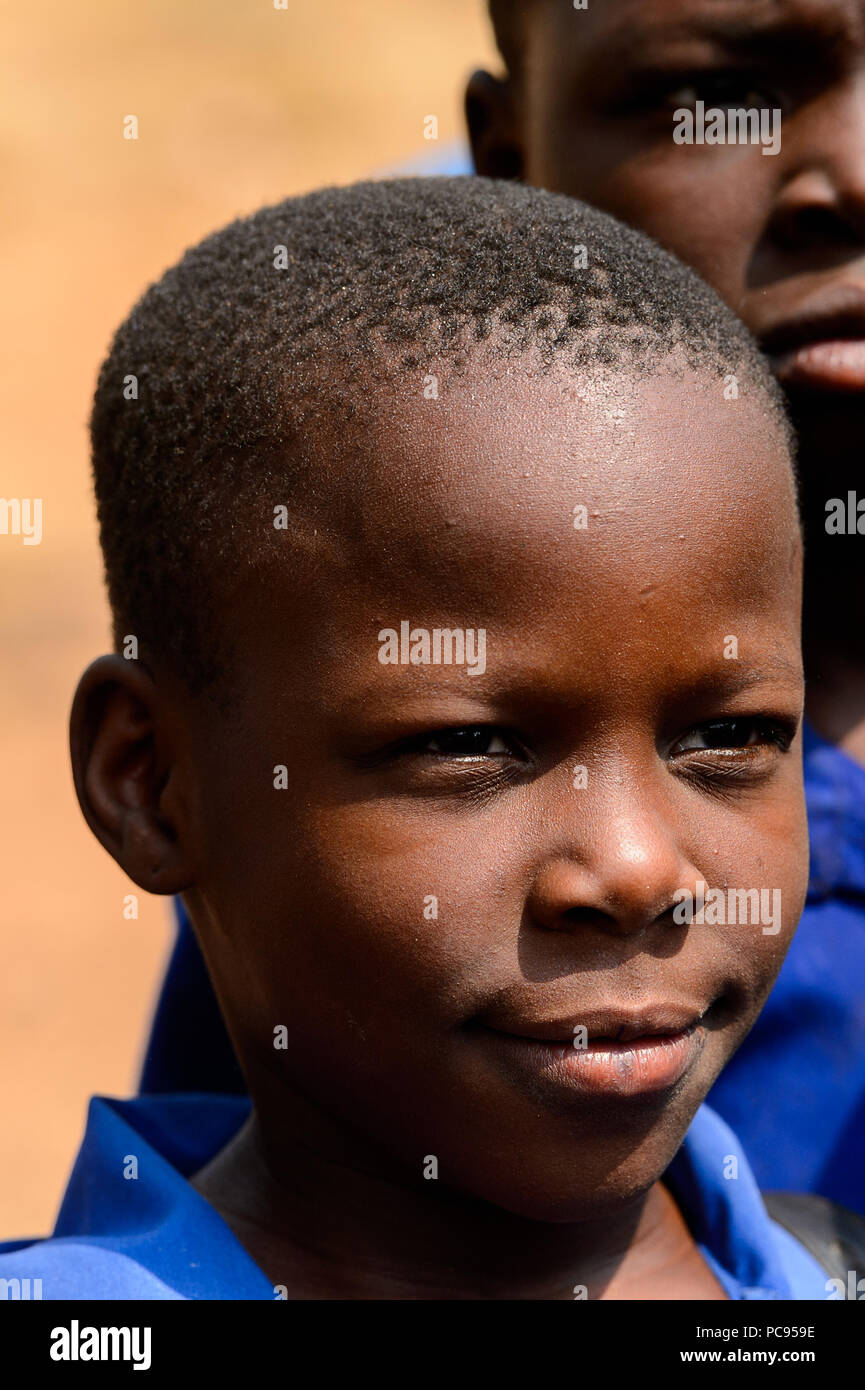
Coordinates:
(795, 1090)
(152, 1236)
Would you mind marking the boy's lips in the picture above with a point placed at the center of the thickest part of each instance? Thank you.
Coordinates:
(822, 345)
(624, 1054)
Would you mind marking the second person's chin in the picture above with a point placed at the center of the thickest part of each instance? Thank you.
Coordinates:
(829, 423)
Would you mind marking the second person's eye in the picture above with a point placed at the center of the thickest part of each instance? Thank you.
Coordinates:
(721, 89)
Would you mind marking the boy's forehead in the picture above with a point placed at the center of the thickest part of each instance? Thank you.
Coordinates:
(582, 524)
(508, 462)
(517, 430)
(561, 515)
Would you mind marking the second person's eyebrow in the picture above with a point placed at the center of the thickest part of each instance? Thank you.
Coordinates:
(791, 31)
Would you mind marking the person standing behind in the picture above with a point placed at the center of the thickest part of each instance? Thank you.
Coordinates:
(734, 134)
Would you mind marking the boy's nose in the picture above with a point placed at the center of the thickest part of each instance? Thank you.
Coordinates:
(624, 881)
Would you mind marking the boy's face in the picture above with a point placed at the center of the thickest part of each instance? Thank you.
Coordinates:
(437, 889)
(780, 236)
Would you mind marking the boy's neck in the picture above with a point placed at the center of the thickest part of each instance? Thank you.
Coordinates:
(326, 1230)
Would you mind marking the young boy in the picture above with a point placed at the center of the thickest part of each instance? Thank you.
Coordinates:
(589, 106)
(460, 698)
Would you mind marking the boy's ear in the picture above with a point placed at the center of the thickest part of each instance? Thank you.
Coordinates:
(126, 774)
(493, 127)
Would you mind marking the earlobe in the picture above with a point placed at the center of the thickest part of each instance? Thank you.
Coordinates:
(121, 765)
(493, 130)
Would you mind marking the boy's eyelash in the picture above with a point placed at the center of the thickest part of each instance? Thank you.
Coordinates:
(725, 779)
(769, 729)
(471, 778)
(722, 770)
(479, 740)
(418, 745)
(487, 733)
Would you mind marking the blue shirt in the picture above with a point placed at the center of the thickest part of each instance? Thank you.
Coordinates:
(153, 1236)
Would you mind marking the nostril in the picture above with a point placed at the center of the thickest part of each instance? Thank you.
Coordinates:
(816, 228)
(668, 919)
(579, 916)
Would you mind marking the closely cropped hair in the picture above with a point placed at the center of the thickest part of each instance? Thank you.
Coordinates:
(213, 384)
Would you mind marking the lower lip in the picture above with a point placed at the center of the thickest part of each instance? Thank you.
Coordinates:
(642, 1066)
(833, 366)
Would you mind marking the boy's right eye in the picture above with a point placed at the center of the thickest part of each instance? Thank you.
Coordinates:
(471, 741)
(467, 761)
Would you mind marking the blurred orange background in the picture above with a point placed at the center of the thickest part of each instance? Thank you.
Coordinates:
(239, 104)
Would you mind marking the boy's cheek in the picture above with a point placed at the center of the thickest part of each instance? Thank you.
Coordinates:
(762, 919)
(431, 916)
(344, 894)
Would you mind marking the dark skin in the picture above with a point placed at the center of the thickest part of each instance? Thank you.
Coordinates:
(605, 649)
(588, 111)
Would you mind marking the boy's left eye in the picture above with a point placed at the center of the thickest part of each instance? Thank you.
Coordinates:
(723, 734)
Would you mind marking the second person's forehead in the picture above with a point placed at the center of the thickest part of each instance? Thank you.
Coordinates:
(734, 21)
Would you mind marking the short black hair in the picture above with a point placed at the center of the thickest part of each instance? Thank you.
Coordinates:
(224, 365)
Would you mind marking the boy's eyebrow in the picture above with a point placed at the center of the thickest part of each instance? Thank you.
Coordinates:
(377, 696)
(796, 26)
(416, 693)
(735, 678)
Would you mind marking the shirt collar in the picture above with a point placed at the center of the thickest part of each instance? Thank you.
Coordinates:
(717, 1194)
(159, 1220)
(129, 1192)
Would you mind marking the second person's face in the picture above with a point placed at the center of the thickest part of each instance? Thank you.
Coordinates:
(590, 112)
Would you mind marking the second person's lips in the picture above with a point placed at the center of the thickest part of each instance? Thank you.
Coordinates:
(834, 365)
(821, 344)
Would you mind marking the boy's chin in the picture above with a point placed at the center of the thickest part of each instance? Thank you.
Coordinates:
(598, 1174)
(554, 1200)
